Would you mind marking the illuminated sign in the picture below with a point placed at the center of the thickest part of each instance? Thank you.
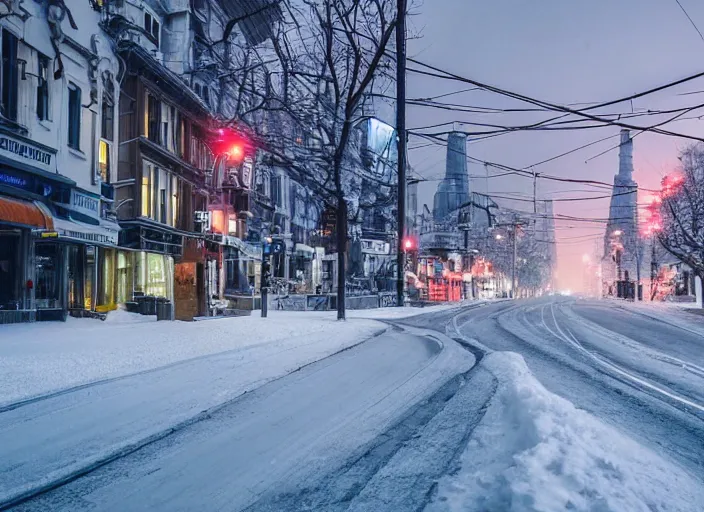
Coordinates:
(13, 180)
(49, 234)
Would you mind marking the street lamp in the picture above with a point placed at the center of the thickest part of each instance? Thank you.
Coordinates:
(499, 236)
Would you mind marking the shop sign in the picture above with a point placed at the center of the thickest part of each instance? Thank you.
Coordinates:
(14, 148)
(107, 237)
(49, 234)
(13, 181)
(375, 247)
(83, 203)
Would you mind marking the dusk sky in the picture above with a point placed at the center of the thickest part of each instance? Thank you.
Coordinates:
(562, 52)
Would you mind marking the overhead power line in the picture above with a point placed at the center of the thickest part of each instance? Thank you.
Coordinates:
(440, 73)
(690, 20)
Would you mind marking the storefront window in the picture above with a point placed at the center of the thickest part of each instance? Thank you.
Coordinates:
(48, 276)
(124, 277)
(104, 161)
(10, 272)
(155, 275)
(76, 259)
(106, 290)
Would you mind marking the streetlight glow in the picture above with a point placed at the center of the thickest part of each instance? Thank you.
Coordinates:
(499, 237)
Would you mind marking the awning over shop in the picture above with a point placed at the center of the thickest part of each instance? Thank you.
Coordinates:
(104, 234)
(25, 213)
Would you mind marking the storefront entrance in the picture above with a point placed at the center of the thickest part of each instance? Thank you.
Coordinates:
(48, 285)
(81, 276)
(11, 296)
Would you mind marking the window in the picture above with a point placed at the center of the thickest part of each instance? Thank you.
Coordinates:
(153, 118)
(206, 95)
(174, 201)
(147, 180)
(155, 274)
(43, 88)
(197, 89)
(107, 120)
(181, 137)
(104, 161)
(9, 76)
(163, 195)
(151, 27)
(74, 116)
(276, 190)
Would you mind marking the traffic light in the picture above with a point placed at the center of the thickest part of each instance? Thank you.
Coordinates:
(234, 145)
(409, 244)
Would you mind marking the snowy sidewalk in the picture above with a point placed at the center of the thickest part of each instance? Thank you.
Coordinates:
(41, 358)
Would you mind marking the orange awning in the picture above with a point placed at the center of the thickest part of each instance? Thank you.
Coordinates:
(24, 213)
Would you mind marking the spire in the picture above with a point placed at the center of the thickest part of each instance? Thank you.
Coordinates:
(625, 156)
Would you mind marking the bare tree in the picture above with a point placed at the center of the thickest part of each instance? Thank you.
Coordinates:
(681, 229)
(305, 93)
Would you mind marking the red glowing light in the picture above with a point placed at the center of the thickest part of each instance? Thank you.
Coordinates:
(408, 244)
(236, 153)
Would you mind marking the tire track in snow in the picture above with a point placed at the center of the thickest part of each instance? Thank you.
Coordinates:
(637, 380)
(32, 491)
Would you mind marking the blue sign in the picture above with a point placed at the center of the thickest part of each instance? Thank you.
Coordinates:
(14, 181)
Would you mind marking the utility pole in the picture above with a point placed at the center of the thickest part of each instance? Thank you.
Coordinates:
(264, 284)
(535, 196)
(513, 262)
(401, 135)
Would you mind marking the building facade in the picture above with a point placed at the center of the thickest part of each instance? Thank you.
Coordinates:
(57, 129)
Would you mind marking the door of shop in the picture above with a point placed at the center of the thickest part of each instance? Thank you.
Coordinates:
(10, 272)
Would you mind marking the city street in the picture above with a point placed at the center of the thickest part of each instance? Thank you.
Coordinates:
(402, 421)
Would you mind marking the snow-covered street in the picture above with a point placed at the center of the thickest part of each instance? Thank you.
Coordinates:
(548, 404)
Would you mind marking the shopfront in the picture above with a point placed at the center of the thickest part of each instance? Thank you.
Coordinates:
(75, 268)
(17, 273)
(28, 185)
(145, 263)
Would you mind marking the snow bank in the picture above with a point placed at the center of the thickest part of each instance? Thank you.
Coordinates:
(43, 357)
(534, 451)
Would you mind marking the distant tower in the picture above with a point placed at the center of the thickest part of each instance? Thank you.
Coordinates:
(453, 190)
(622, 226)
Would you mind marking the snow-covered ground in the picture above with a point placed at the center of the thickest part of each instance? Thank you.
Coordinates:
(277, 437)
(40, 358)
(598, 412)
(534, 451)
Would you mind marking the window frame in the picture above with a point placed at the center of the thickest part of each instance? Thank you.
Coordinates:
(74, 116)
(10, 77)
(43, 108)
(152, 27)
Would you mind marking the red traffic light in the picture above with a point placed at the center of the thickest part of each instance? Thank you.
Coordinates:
(409, 244)
(234, 145)
(236, 153)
